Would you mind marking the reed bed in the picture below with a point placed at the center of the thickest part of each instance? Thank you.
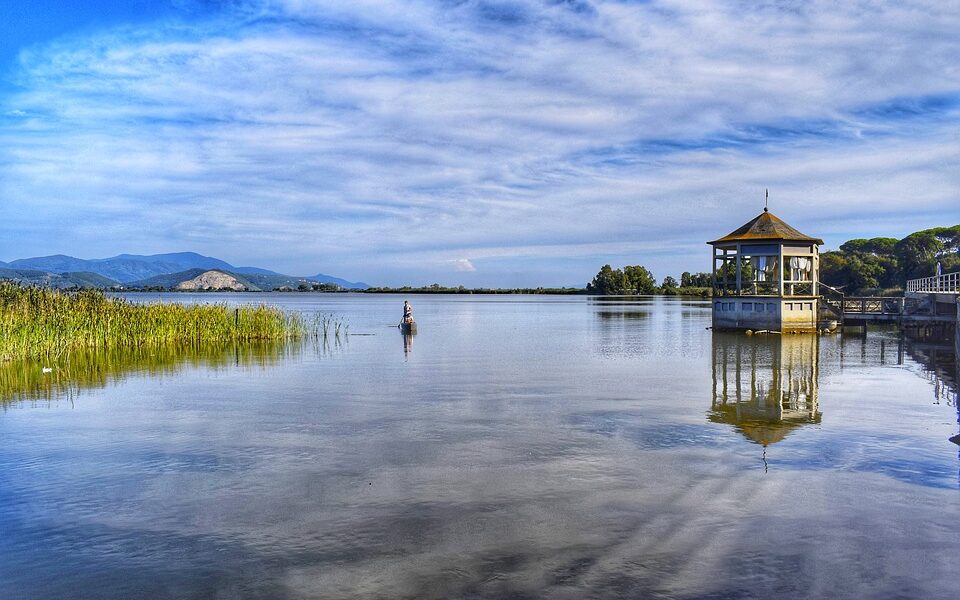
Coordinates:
(326, 326)
(41, 323)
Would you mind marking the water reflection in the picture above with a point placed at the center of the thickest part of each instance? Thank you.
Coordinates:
(531, 449)
(621, 308)
(937, 357)
(407, 342)
(642, 326)
(95, 368)
(765, 386)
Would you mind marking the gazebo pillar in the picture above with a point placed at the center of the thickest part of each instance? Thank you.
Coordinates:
(739, 271)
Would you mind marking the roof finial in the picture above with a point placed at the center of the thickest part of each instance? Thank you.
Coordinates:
(766, 200)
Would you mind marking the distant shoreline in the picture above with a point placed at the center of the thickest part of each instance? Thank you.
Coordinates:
(693, 293)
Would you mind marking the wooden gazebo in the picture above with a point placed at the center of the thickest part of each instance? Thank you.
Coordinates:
(766, 276)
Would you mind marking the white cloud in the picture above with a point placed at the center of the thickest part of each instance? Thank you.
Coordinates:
(349, 135)
(464, 265)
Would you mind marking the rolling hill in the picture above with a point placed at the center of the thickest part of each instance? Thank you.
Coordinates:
(224, 279)
(56, 280)
(124, 267)
(157, 270)
(350, 285)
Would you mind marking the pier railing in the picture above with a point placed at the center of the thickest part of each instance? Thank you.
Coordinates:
(946, 283)
(873, 305)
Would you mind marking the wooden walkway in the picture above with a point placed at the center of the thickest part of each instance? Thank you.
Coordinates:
(927, 300)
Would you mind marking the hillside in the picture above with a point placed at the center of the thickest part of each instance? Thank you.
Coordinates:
(135, 270)
(56, 280)
(213, 279)
(124, 267)
(195, 279)
(350, 285)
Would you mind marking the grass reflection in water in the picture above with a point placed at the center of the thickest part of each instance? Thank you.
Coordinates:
(96, 367)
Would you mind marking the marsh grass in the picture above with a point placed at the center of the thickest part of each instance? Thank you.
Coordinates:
(327, 326)
(40, 323)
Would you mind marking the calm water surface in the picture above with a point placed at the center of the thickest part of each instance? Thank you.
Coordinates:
(517, 447)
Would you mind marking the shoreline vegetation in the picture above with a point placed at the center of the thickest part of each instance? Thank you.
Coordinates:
(44, 323)
(431, 289)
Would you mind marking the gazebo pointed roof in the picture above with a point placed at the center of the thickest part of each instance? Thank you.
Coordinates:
(766, 226)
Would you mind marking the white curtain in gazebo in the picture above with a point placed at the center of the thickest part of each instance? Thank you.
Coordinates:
(800, 268)
(764, 267)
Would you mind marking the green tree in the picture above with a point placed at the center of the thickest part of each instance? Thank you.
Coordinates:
(688, 279)
(877, 246)
(834, 271)
(608, 281)
(669, 286)
(639, 280)
(920, 252)
(865, 271)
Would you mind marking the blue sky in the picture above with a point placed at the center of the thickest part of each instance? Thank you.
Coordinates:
(501, 143)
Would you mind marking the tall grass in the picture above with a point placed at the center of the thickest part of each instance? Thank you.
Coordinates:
(38, 323)
(323, 325)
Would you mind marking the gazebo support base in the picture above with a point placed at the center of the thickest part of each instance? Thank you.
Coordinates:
(740, 313)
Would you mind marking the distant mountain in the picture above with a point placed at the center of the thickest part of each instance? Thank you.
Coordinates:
(221, 279)
(187, 260)
(133, 270)
(253, 282)
(254, 271)
(196, 279)
(125, 267)
(86, 279)
(58, 263)
(350, 285)
(56, 280)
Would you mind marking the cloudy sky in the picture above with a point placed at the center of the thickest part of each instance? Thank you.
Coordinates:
(475, 142)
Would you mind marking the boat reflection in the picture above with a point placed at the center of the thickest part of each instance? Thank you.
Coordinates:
(765, 385)
(65, 375)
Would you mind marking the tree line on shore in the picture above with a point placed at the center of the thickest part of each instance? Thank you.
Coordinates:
(883, 265)
(638, 280)
(436, 288)
(872, 266)
(875, 266)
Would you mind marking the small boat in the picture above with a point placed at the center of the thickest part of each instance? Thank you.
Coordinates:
(408, 328)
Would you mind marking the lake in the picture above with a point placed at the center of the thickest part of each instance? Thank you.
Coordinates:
(516, 447)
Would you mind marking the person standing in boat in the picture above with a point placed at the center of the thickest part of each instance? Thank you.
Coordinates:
(407, 313)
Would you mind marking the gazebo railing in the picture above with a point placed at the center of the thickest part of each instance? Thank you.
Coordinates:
(946, 283)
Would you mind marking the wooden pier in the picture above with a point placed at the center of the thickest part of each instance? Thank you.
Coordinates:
(927, 301)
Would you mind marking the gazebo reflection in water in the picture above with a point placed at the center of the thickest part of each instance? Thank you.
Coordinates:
(765, 385)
